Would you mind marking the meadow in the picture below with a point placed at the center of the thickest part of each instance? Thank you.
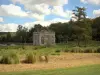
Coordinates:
(60, 59)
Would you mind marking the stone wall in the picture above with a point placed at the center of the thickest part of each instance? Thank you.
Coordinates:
(43, 38)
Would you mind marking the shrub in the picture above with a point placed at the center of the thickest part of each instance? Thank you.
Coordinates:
(98, 50)
(30, 58)
(55, 53)
(35, 48)
(88, 50)
(66, 50)
(38, 47)
(23, 47)
(58, 51)
(95, 50)
(11, 58)
(76, 50)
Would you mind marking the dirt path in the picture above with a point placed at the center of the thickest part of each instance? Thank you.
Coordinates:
(62, 61)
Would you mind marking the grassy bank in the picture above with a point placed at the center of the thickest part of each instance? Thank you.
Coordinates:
(85, 70)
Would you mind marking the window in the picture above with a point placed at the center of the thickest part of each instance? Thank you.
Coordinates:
(42, 40)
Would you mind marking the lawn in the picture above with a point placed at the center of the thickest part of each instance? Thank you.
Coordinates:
(84, 70)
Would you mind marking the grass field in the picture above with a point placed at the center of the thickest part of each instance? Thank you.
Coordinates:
(59, 56)
(84, 70)
(21, 50)
(64, 60)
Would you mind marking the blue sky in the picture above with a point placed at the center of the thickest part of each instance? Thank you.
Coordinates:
(43, 11)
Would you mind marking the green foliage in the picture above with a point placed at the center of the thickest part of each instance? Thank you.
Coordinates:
(89, 50)
(9, 36)
(96, 29)
(80, 13)
(58, 51)
(39, 47)
(55, 53)
(62, 30)
(11, 58)
(84, 29)
(76, 50)
(21, 34)
(81, 29)
(98, 50)
(30, 58)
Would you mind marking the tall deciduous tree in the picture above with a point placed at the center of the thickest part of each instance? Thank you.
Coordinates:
(21, 34)
(79, 13)
(81, 28)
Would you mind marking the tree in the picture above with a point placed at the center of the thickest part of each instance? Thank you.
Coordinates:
(81, 27)
(38, 27)
(8, 37)
(96, 29)
(62, 31)
(79, 13)
(21, 34)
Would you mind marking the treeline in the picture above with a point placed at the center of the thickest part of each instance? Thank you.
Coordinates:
(83, 29)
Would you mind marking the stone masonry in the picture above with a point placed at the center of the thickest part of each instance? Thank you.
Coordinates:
(44, 37)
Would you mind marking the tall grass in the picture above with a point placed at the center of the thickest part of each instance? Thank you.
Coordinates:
(30, 58)
(9, 54)
(10, 58)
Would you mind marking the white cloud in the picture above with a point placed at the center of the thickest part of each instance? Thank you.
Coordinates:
(58, 10)
(45, 23)
(44, 7)
(27, 3)
(38, 17)
(1, 19)
(3, 12)
(96, 13)
(96, 2)
(11, 27)
(40, 8)
(58, 20)
(12, 10)
(36, 9)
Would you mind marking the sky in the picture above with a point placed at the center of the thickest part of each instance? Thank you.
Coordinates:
(30, 12)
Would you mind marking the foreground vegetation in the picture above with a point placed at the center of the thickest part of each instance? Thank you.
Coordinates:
(85, 70)
(32, 54)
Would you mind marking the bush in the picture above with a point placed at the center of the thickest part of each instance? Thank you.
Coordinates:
(55, 53)
(11, 58)
(39, 47)
(98, 50)
(66, 50)
(58, 51)
(76, 50)
(30, 58)
(88, 50)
